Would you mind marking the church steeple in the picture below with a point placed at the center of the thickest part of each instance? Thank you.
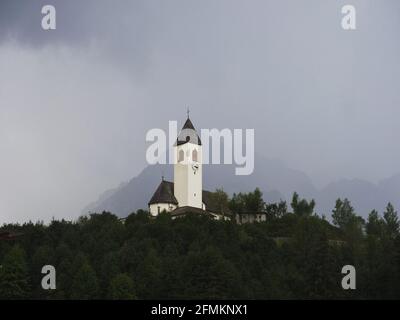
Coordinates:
(188, 167)
(188, 134)
(188, 125)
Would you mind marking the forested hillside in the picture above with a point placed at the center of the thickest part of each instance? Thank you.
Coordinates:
(295, 254)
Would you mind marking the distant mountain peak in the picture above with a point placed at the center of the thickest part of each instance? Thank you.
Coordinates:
(276, 180)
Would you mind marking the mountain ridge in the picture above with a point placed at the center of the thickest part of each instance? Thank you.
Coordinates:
(276, 180)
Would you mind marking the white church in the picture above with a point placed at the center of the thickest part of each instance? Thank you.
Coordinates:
(186, 194)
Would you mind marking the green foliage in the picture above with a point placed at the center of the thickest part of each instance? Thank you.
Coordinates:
(247, 202)
(14, 282)
(343, 214)
(391, 220)
(276, 210)
(148, 275)
(85, 283)
(220, 199)
(122, 288)
(210, 275)
(375, 224)
(295, 255)
(302, 206)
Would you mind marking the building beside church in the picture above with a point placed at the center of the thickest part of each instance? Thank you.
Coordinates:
(185, 194)
(250, 217)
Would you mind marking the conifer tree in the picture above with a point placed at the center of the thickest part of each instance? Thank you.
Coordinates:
(122, 288)
(391, 220)
(14, 283)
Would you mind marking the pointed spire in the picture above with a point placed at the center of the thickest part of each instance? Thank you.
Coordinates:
(188, 125)
(188, 132)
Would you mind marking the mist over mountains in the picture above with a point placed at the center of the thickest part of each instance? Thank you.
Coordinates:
(273, 177)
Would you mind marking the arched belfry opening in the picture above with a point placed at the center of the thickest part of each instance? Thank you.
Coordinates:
(181, 155)
(194, 155)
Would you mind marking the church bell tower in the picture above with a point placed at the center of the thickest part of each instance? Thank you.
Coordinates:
(188, 171)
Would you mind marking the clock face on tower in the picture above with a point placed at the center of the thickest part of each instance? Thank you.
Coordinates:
(195, 167)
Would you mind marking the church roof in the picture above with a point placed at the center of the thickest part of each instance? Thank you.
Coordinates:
(188, 125)
(188, 134)
(164, 194)
(181, 211)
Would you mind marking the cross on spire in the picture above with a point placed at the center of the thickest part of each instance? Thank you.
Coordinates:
(188, 111)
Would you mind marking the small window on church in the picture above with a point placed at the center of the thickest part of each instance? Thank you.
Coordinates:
(194, 155)
(181, 155)
(158, 209)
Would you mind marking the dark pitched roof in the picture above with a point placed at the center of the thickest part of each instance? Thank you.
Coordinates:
(188, 133)
(187, 209)
(164, 194)
(188, 125)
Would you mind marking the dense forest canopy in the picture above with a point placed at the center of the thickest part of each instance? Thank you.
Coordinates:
(295, 254)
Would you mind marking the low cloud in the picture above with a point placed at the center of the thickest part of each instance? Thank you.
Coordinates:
(76, 103)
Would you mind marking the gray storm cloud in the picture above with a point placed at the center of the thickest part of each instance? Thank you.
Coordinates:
(76, 103)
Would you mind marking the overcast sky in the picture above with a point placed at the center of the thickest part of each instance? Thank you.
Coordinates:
(76, 102)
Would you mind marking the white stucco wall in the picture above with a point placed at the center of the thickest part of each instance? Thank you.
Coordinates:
(251, 218)
(157, 208)
(188, 184)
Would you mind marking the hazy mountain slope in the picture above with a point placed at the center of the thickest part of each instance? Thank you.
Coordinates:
(363, 195)
(273, 177)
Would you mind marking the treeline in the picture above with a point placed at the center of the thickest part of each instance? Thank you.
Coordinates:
(295, 254)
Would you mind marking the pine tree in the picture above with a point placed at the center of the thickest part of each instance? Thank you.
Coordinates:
(375, 224)
(148, 276)
(391, 220)
(343, 213)
(85, 284)
(302, 206)
(14, 282)
(122, 288)
(208, 275)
